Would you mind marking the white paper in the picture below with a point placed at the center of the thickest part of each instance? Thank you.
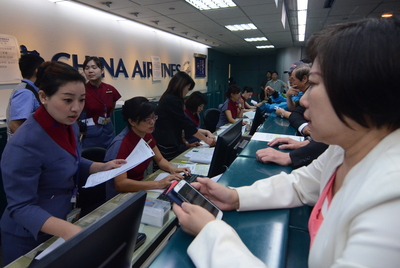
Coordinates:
(201, 170)
(258, 136)
(216, 178)
(9, 56)
(141, 153)
(192, 167)
(156, 67)
(161, 176)
(202, 156)
(250, 114)
(49, 249)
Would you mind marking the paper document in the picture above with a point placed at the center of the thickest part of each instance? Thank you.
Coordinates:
(52, 247)
(202, 156)
(249, 114)
(141, 153)
(258, 136)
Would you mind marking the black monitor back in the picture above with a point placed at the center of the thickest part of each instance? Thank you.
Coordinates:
(257, 121)
(226, 149)
(108, 242)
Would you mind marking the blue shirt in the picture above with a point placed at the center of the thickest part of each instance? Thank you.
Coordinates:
(22, 103)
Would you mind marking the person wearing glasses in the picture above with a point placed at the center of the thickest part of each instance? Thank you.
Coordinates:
(140, 116)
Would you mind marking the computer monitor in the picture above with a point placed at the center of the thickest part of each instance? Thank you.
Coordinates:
(108, 242)
(226, 149)
(257, 121)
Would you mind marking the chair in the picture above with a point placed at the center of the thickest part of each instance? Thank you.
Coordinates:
(91, 198)
(211, 118)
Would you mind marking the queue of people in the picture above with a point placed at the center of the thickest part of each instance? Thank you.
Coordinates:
(352, 182)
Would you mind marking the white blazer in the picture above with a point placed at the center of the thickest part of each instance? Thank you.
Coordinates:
(360, 229)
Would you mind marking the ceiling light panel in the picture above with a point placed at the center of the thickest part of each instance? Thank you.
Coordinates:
(256, 39)
(241, 27)
(211, 4)
(263, 47)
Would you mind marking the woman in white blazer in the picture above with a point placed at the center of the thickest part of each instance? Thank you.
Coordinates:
(355, 185)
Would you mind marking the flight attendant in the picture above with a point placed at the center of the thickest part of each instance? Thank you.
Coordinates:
(95, 124)
(41, 165)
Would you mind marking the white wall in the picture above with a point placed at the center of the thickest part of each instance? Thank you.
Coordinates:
(51, 28)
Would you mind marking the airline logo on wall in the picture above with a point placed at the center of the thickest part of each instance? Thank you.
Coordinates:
(116, 68)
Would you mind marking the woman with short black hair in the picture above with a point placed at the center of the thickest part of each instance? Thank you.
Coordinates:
(194, 106)
(139, 114)
(231, 108)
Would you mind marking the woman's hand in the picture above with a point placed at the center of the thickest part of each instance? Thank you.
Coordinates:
(192, 218)
(207, 133)
(116, 163)
(223, 197)
(98, 166)
(210, 141)
(166, 182)
(185, 170)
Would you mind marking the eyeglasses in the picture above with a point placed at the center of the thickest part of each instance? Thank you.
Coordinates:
(148, 119)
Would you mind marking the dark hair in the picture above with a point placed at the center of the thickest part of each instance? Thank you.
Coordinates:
(195, 100)
(302, 70)
(274, 72)
(28, 63)
(96, 60)
(178, 82)
(137, 109)
(360, 60)
(232, 89)
(52, 75)
(247, 89)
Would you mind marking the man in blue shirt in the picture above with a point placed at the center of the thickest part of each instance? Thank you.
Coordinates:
(24, 99)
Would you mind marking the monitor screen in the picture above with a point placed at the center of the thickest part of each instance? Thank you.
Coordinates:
(257, 121)
(108, 242)
(225, 149)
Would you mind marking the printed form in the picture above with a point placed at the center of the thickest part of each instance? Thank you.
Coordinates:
(141, 153)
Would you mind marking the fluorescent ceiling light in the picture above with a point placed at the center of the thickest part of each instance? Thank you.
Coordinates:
(256, 39)
(55, 1)
(267, 46)
(387, 15)
(211, 4)
(302, 17)
(241, 27)
(302, 6)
